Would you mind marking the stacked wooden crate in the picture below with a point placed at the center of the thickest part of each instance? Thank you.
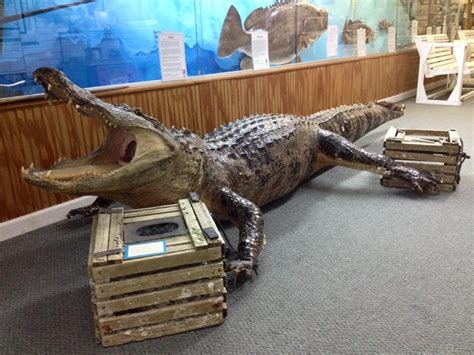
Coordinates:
(433, 151)
(180, 290)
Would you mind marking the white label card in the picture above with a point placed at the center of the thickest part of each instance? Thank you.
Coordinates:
(172, 56)
(361, 45)
(332, 42)
(414, 30)
(391, 39)
(141, 250)
(260, 50)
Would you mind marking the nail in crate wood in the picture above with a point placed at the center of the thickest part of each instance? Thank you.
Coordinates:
(433, 151)
(180, 290)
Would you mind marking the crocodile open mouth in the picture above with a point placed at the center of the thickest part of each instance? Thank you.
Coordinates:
(117, 150)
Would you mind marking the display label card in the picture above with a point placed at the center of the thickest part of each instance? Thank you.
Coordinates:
(332, 42)
(438, 30)
(414, 30)
(361, 45)
(172, 56)
(260, 50)
(391, 39)
(141, 250)
(429, 30)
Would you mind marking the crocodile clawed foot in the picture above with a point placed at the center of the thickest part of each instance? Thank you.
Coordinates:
(424, 183)
(84, 211)
(242, 270)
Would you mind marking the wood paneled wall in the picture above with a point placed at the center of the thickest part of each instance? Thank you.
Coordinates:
(33, 131)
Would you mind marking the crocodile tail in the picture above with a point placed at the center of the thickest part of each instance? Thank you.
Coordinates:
(353, 122)
(232, 35)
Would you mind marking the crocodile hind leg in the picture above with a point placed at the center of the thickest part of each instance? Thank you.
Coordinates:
(246, 216)
(333, 149)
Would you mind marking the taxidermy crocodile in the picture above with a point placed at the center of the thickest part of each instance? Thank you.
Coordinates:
(234, 169)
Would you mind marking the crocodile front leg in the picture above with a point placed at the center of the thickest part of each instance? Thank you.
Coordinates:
(336, 150)
(98, 205)
(246, 216)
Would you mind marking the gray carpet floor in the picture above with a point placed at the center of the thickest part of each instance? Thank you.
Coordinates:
(349, 266)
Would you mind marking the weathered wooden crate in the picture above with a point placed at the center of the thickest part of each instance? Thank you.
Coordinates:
(153, 296)
(434, 151)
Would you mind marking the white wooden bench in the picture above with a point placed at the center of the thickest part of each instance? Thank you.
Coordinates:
(468, 36)
(438, 57)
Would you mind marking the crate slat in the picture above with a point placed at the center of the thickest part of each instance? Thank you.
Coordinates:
(101, 239)
(193, 225)
(206, 221)
(136, 266)
(115, 236)
(160, 315)
(396, 154)
(422, 147)
(156, 211)
(160, 297)
(149, 217)
(105, 291)
(394, 182)
(153, 331)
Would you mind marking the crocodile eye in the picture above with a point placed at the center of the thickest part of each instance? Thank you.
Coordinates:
(138, 111)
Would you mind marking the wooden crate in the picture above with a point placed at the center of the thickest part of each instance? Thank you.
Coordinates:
(433, 151)
(181, 290)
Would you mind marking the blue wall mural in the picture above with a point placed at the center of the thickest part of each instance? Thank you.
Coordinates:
(106, 42)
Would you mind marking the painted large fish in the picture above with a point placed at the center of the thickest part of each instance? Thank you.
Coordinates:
(349, 32)
(291, 28)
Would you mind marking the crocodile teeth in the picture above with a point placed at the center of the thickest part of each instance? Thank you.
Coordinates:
(32, 165)
(50, 87)
(78, 107)
(35, 79)
(70, 102)
(60, 159)
(23, 169)
(48, 173)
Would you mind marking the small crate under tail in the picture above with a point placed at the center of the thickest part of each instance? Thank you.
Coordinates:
(432, 151)
(181, 289)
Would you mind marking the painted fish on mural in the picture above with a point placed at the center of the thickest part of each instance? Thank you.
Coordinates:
(385, 24)
(291, 28)
(349, 33)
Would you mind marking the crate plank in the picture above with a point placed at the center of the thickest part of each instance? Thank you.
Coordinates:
(394, 182)
(115, 236)
(153, 331)
(206, 221)
(160, 315)
(163, 279)
(437, 168)
(160, 297)
(422, 147)
(395, 154)
(150, 217)
(156, 211)
(136, 266)
(101, 238)
(193, 225)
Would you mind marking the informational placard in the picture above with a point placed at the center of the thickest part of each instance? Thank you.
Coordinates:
(332, 42)
(260, 49)
(172, 56)
(414, 30)
(141, 250)
(392, 39)
(361, 42)
(429, 30)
